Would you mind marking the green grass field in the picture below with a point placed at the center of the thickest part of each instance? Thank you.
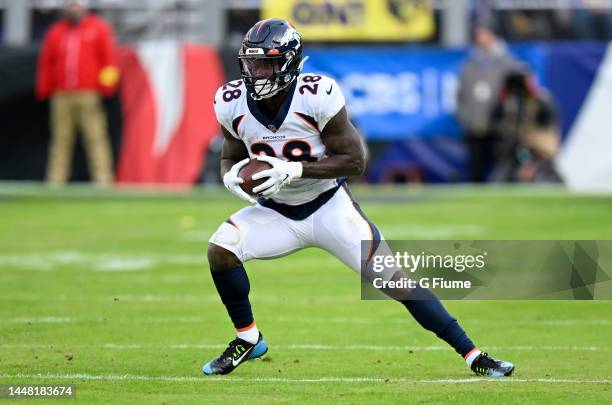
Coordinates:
(110, 291)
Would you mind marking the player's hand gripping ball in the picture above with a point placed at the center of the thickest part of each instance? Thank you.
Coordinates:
(233, 182)
(279, 175)
(254, 166)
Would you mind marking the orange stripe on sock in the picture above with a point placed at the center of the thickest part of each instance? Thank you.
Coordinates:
(470, 352)
(251, 326)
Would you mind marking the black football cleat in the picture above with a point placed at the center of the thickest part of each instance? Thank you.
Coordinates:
(236, 353)
(488, 366)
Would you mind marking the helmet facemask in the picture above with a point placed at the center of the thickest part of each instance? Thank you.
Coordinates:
(266, 75)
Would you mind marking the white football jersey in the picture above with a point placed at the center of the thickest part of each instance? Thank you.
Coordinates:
(294, 134)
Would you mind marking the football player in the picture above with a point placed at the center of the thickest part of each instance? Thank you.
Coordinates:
(298, 124)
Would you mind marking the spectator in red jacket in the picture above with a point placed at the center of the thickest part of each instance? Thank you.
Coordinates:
(76, 68)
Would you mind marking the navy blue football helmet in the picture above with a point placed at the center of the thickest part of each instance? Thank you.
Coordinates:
(270, 57)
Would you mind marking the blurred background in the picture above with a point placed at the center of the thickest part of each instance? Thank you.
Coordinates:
(443, 91)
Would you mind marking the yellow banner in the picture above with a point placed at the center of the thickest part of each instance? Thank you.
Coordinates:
(355, 20)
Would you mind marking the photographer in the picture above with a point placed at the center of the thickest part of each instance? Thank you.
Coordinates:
(524, 124)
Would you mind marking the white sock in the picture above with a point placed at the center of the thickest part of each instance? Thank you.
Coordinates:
(250, 333)
(471, 356)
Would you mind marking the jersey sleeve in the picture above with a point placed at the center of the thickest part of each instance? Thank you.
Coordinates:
(224, 112)
(329, 103)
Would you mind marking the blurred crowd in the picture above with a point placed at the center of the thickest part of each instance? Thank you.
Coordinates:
(593, 22)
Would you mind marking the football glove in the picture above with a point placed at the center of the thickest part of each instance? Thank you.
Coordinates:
(281, 174)
(232, 181)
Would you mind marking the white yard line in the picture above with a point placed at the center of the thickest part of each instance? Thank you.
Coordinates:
(357, 347)
(132, 377)
(41, 319)
(205, 346)
(203, 298)
(574, 322)
(325, 320)
(97, 262)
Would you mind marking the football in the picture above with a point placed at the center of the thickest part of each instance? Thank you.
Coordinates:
(247, 171)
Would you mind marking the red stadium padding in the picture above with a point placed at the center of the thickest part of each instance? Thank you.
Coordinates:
(167, 149)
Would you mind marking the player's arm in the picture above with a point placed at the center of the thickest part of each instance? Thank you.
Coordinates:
(345, 148)
(234, 156)
(233, 151)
